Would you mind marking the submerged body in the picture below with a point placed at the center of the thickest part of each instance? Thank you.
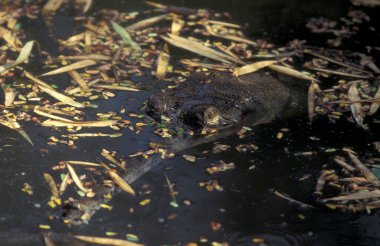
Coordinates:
(219, 101)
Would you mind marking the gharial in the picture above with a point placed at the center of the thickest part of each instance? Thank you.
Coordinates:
(219, 100)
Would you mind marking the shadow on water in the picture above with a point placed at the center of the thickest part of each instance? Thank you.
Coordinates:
(247, 209)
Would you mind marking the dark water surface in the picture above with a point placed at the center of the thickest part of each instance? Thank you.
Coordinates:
(247, 208)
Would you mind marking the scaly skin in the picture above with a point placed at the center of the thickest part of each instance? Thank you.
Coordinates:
(250, 99)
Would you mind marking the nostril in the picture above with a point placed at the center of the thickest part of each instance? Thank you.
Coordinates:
(160, 104)
(150, 103)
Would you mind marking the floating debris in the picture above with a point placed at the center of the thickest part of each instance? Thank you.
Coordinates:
(23, 56)
(104, 60)
(352, 188)
(71, 67)
(200, 49)
(106, 241)
(286, 197)
(250, 68)
(121, 182)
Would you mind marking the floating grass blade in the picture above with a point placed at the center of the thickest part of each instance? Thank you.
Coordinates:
(16, 126)
(126, 37)
(370, 176)
(116, 87)
(121, 182)
(162, 62)
(25, 135)
(52, 185)
(145, 23)
(87, 5)
(313, 88)
(23, 56)
(356, 108)
(60, 123)
(52, 6)
(291, 72)
(356, 196)
(71, 67)
(76, 178)
(107, 241)
(375, 105)
(199, 49)
(250, 68)
(60, 97)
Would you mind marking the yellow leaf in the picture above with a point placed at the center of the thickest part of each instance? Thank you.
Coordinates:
(200, 49)
(145, 202)
(116, 87)
(311, 99)
(107, 241)
(78, 79)
(250, 68)
(76, 178)
(52, 186)
(291, 72)
(73, 66)
(45, 227)
(145, 23)
(52, 5)
(41, 111)
(121, 182)
(162, 62)
(59, 123)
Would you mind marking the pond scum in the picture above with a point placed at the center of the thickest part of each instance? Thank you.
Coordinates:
(112, 46)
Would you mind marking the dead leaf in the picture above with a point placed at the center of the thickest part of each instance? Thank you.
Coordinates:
(375, 105)
(200, 49)
(145, 23)
(250, 68)
(355, 196)
(74, 66)
(353, 95)
(121, 182)
(60, 123)
(78, 79)
(367, 173)
(52, 186)
(76, 178)
(162, 62)
(291, 72)
(107, 241)
(52, 5)
(60, 97)
(311, 99)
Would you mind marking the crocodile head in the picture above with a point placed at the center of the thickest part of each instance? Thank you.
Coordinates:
(219, 100)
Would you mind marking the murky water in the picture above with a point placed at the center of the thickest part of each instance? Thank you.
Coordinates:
(247, 208)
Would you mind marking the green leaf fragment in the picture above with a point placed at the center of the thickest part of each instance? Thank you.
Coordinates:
(126, 37)
(246, 128)
(174, 204)
(81, 193)
(26, 136)
(330, 150)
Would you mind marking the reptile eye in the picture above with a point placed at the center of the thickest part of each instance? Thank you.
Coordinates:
(210, 117)
(203, 115)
